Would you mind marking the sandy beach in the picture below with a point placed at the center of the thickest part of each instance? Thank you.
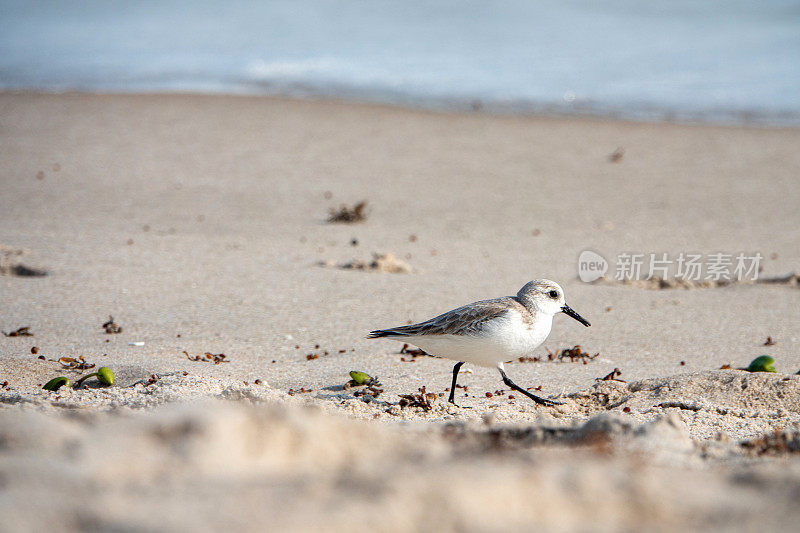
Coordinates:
(199, 223)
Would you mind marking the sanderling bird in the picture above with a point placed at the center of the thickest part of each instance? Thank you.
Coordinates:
(490, 332)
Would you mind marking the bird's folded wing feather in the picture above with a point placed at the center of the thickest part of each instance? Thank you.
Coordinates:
(466, 320)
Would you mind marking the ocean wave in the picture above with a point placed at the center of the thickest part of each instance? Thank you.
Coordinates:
(686, 60)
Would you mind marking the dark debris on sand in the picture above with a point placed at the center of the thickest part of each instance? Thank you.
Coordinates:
(413, 352)
(612, 376)
(207, 357)
(423, 399)
(19, 332)
(575, 353)
(349, 215)
(387, 262)
(371, 390)
(23, 271)
(111, 327)
(75, 363)
(616, 155)
(10, 265)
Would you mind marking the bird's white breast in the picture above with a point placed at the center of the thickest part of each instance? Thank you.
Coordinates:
(502, 339)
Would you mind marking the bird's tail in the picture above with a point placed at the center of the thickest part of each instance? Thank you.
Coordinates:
(378, 333)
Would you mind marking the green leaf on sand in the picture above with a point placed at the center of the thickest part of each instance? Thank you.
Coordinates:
(57, 383)
(762, 363)
(105, 376)
(359, 377)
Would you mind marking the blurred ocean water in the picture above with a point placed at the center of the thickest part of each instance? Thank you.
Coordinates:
(730, 62)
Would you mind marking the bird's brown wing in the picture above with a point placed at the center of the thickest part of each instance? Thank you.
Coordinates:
(466, 320)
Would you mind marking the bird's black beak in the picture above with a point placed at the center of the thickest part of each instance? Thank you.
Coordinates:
(567, 310)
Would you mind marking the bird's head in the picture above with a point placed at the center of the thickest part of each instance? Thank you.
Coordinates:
(547, 297)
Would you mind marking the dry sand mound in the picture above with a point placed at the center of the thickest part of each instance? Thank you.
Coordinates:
(164, 388)
(227, 465)
(739, 403)
(714, 404)
(717, 405)
(189, 452)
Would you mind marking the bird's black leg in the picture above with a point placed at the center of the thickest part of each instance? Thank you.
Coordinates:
(514, 386)
(456, 368)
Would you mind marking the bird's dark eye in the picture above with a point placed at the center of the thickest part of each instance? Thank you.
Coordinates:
(553, 294)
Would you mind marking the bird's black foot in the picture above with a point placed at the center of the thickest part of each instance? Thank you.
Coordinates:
(542, 401)
(537, 399)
